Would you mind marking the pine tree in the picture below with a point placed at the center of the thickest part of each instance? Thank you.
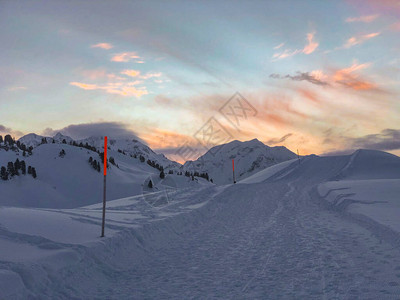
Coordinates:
(34, 173)
(23, 167)
(3, 173)
(29, 170)
(8, 140)
(24, 153)
(150, 185)
(90, 159)
(1, 139)
(17, 164)
(10, 168)
(62, 153)
(64, 141)
(98, 167)
(112, 160)
(162, 175)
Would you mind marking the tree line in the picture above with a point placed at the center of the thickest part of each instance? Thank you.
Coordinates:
(16, 168)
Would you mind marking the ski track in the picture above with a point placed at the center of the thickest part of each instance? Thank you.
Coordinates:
(280, 243)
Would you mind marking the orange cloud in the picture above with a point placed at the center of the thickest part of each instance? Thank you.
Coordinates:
(308, 49)
(364, 19)
(348, 78)
(105, 46)
(360, 39)
(131, 73)
(118, 88)
(312, 45)
(125, 57)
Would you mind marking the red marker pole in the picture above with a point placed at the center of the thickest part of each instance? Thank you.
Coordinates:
(233, 171)
(104, 187)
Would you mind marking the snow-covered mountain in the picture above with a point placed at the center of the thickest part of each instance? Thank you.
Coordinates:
(68, 180)
(249, 157)
(34, 140)
(127, 146)
(131, 147)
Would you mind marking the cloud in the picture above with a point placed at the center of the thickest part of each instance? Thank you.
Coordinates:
(363, 19)
(6, 130)
(308, 49)
(16, 88)
(150, 75)
(105, 46)
(125, 57)
(118, 88)
(348, 78)
(279, 46)
(81, 131)
(300, 77)
(275, 141)
(312, 45)
(131, 73)
(386, 140)
(356, 40)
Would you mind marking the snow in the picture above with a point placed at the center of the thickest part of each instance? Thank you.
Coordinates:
(250, 157)
(377, 199)
(290, 231)
(268, 172)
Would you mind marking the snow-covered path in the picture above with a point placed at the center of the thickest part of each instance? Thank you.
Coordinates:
(272, 236)
(280, 244)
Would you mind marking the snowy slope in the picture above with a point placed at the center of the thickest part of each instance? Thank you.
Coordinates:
(70, 181)
(269, 237)
(131, 146)
(250, 157)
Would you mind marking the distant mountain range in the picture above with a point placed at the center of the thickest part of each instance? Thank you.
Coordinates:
(249, 158)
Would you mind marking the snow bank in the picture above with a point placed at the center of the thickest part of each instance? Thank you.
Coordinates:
(377, 199)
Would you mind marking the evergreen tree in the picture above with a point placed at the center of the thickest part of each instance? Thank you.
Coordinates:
(10, 168)
(112, 160)
(64, 141)
(8, 140)
(211, 180)
(62, 153)
(150, 185)
(23, 167)
(54, 141)
(90, 159)
(170, 172)
(17, 164)
(29, 170)
(24, 153)
(98, 167)
(3, 173)
(162, 175)
(34, 173)
(1, 139)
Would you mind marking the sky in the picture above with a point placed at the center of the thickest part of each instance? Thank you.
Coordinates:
(319, 77)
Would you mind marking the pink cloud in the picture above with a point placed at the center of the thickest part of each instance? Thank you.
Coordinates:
(131, 73)
(105, 46)
(356, 40)
(118, 88)
(363, 19)
(124, 57)
(312, 45)
(308, 49)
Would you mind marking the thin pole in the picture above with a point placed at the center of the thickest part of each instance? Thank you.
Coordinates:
(298, 156)
(104, 187)
(233, 171)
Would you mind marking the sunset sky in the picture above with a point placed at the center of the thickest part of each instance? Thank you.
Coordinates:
(318, 76)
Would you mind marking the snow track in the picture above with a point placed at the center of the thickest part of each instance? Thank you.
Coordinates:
(275, 239)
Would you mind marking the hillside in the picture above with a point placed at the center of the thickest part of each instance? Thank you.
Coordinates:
(250, 157)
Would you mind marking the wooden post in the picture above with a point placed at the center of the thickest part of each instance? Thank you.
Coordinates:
(233, 171)
(104, 187)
